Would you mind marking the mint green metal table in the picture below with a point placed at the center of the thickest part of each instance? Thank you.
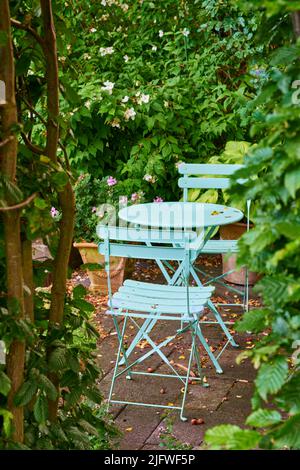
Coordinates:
(201, 218)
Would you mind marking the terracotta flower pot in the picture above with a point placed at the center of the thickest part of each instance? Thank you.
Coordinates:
(234, 232)
(90, 254)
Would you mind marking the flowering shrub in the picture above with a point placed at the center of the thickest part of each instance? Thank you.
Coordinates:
(158, 85)
(99, 201)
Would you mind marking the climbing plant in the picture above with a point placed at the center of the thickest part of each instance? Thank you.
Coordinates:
(49, 396)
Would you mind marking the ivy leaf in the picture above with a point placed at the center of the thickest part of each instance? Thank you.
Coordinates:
(5, 383)
(271, 377)
(25, 393)
(262, 418)
(40, 409)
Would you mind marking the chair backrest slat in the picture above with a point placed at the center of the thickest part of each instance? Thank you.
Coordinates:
(203, 183)
(208, 169)
(127, 234)
(202, 176)
(143, 252)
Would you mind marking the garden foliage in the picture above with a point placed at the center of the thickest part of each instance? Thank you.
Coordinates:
(152, 84)
(272, 247)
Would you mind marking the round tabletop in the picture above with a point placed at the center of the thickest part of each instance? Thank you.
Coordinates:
(180, 214)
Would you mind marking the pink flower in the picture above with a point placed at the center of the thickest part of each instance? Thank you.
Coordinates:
(54, 212)
(134, 197)
(111, 181)
(158, 199)
(94, 209)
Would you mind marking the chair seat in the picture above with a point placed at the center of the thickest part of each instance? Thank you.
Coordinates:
(220, 246)
(155, 298)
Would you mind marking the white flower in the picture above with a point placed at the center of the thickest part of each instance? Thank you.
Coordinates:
(160, 33)
(123, 200)
(154, 48)
(186, 32)
(88, 104)
(126, 58)
(93, 30)
(108, 86)
(124, 7)
(125, 99)
(142, 98)
(129, 114)
(166, 104)
(103, 3)
(145, 98)
(149, 178)
(86, 56)
(106, 50)
(115, 123)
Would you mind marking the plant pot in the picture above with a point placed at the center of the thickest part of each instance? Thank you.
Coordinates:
(234, 232)
(90, 254)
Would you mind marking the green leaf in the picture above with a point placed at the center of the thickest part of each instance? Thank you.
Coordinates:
(79, 292)
(48, 386)
(292, 181)
(285, 55)
(271, 377)
(40, 409)
(289, 398)
(94, 395)
(83, 305)
(40, 203)
(255, 321)
(60, 179)
(5, 383)
(289, 434)
(231, 437)
(7, 419)
(25, 393)
(58, 359)
(211, 196)
(262, 418)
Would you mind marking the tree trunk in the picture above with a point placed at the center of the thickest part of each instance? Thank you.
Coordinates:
(296, 23)
(28, 280)
(11, 219)
(66, 197)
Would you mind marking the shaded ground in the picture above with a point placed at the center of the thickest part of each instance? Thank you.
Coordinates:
(226, 400)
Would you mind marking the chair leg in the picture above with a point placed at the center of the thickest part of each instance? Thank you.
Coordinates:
(120, 338)
(146, 327)
(182, 417)
(222, 324)
(198, 361)
(246, 290)
(218, 368)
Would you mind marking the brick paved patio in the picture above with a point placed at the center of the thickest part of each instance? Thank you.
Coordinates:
(226, 400)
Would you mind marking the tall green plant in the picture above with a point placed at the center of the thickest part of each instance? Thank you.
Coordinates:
(272, 247)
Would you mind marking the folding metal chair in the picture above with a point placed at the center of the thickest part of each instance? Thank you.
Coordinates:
(151, 303)
(200, 176)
